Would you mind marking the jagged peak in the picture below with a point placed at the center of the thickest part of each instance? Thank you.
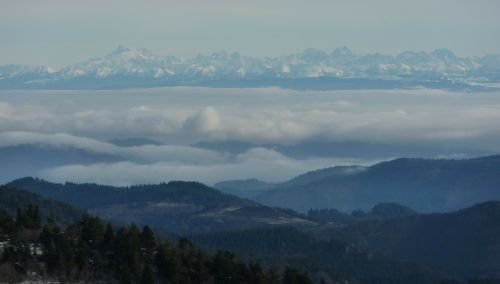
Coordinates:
(121, 50)
(221, 55)
(342, 51)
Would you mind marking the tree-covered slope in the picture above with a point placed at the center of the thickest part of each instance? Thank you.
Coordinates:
(181, 207)
(465, 243)
(332, 260)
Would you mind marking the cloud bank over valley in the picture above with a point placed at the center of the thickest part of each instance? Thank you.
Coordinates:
(264, 121)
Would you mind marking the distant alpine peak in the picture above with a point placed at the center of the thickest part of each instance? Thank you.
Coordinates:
(342, 51)
(131, 52)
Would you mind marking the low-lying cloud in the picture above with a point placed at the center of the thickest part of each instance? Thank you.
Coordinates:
(143, 154)
(181, 116)
(272, 168)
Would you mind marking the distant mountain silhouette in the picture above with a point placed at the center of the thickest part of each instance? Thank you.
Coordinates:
(129, 142)
(345, 149)
(28, 159)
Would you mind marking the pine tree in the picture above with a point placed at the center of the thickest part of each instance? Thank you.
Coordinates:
(168, 263)
(148, 242)
(9, 255)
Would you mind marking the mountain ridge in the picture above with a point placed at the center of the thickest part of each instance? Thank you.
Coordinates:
(339, 69)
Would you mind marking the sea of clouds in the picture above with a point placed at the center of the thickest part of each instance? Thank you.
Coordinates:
(181, 116)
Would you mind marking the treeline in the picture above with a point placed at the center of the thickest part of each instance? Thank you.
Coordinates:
(336, 262)
(93, 250)
(380, 211)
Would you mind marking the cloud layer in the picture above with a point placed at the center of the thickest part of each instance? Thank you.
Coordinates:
(181, 116)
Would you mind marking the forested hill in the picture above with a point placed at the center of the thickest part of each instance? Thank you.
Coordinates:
(11, 199)
(90, 195)
(179, 207)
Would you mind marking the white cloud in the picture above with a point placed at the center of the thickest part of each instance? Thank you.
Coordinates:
(205, 121)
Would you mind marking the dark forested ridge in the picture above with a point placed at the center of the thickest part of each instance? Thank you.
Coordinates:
(91, 195)
(181, 207)
(425, 185)
(389, 244)
(465, 243)
(93, 251)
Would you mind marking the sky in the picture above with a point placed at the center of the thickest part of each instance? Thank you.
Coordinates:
(61, 32)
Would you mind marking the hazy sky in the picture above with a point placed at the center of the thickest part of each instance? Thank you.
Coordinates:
(60, 32)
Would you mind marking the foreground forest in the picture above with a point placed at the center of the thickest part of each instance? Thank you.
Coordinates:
(92, 250)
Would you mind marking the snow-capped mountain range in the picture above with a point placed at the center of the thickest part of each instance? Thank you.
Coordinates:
(128, 67)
